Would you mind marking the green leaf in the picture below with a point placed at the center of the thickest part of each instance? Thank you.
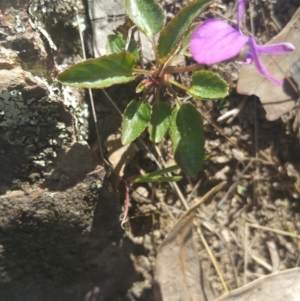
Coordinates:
(159, 179)
(187, 138)
(187, 38)
(156, 176)
(102, 72)
(117, 43)
(207, 85)
(147, 15)
(140, 87)
(136, 118)
(160, 121)
(177, 28)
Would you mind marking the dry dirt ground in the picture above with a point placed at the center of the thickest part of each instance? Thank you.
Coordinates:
(60, 234)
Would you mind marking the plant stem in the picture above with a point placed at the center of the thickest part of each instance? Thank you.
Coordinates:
(174, 69)
(142, 71)
(153, 43)
(177, 84)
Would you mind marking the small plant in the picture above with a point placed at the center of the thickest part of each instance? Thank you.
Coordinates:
(157, 105)
(121, 66)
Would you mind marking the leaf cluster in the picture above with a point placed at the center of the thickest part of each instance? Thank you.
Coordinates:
(124, 63)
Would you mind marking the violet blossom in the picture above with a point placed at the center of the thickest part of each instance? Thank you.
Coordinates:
(215, 41)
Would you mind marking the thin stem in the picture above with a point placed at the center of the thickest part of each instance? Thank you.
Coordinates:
(142, 71)
(140, 50)
(170, 89)
(92, 102)
(112, 102)
(191, 68)
(155, 52)
(177, 84)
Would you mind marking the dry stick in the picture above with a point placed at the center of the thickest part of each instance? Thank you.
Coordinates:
(251, 19)
(275, 259)
(280, 232)
(205, 115)
(277, 231)
(262, 263)
(287, 225)
(255, 113)
(246, 253)
(264, 20)
(274, 18)
(256, 151)
(228, 252)
(212, 257)
(230, 115)
(194, 190)
(92, 100)
(207, 196)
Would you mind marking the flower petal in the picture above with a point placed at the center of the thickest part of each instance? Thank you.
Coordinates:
(241, 6)
(258, 64)
(281, 48)
(215, 41)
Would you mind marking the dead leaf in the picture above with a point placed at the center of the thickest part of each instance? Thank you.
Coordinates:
(276, 100)
(119, 156)
(281, 286)
(178, 275)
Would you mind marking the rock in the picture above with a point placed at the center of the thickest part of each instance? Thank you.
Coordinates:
(60, 234)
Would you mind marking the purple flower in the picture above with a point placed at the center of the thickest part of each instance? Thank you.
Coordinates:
(215, 41)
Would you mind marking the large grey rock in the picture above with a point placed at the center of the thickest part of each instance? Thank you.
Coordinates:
(60, 235)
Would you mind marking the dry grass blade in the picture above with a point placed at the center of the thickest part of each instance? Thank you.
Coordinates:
(279, 286)
(212, 258)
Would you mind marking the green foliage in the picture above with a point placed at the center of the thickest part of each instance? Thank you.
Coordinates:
(148, 16)
(177, 28)
(105, 71)
(136, 117)
(160, 121)
(117, 43)
(185, 44)
(157, 176)
(187, 138)
(207, 85)
(121, 65)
